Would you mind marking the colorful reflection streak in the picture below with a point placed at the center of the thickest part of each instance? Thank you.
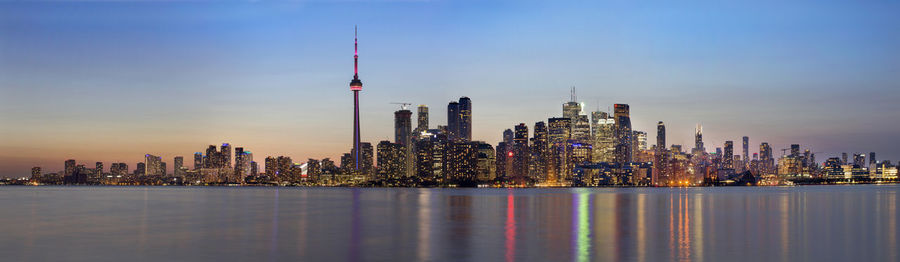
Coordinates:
(510, 227)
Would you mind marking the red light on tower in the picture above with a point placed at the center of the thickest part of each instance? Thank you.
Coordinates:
(509, 154)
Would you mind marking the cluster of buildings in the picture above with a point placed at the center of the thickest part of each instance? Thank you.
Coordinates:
(572, 149)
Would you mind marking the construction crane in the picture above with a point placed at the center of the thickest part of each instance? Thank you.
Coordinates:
(403, 105)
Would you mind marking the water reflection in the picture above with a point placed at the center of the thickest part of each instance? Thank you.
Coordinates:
(510, 226)
(844, 223)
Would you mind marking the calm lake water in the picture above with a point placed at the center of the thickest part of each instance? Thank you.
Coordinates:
(809, 223)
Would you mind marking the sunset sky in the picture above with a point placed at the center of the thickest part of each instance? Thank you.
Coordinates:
(111, 81)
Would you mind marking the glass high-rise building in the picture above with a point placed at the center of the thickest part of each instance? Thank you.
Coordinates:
(422, 116)
(660, 136)
(465, 119)
(520, 152)
(603, 132)
(624, 147)
(728, 156)
(453, 121)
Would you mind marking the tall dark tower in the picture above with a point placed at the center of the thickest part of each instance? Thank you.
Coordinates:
(355, 86)
(660, 136)
(453, 120)
(465, 119)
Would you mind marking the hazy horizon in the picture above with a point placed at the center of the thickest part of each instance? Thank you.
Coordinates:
(111, 81)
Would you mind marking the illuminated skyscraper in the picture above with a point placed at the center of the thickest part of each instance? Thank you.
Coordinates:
(198, 160)
(356, 86)
(640, 141)
(603, 131)
(70, 167)
(153, 165)
(403, 136)
(539, 152)
(422, 116)
(844, 158)
(624, 134)
(698, 140)
(402, 127)
(872, 158)
(728, 157)
(520, 152)
(179, 165)
(581, 129)
(465, 119)
(746, 155)
(486, 160)
(226, 155)
(572, 109)
(453, 121)
(795, 150)
(391, 160)
(660, 136)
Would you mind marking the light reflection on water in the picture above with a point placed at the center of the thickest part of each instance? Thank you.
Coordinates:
(340, 224)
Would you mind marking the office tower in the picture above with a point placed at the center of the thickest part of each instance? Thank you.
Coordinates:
(356, 86)
(162, 168)
(366, 161)
(453, 120)
(140, 169)
(36, 173)
(198, 160)
(425, 159)
(403, 136)
(391, 160)
(462, 162)
(485, 162)
(603, 131)
(179, 165)
(844, 158)
(98, 168)
(746, 147)
(242, 168)
(539, 152)
(465, 119)
(660, 136)
(422, 116)
(70, 167)
(214, 158)
(254, 168)
(872, 158)
(153, 165)
(225, 153)
(624, 145)
(795, 150)
(728, 157)
(520, 152)
(698, 141)
(581, 129)
(559, 130)
(572, 109)
(833, 169)
(578, 154)
(402, 127)
(508, 136)
(640, 141)
(859, 159)
(503, 160)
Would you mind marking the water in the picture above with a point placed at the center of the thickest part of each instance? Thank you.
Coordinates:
(809, 223)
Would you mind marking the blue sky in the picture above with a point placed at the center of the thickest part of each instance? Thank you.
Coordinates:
(113, 80)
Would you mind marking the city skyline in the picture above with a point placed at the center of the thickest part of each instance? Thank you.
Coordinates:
(50, 116)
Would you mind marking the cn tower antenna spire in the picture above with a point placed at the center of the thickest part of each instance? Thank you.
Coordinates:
(355, 52)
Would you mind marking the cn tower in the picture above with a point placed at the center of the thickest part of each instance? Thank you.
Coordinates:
(355, 86)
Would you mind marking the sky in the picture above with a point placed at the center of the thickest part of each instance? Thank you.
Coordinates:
(111, 81)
